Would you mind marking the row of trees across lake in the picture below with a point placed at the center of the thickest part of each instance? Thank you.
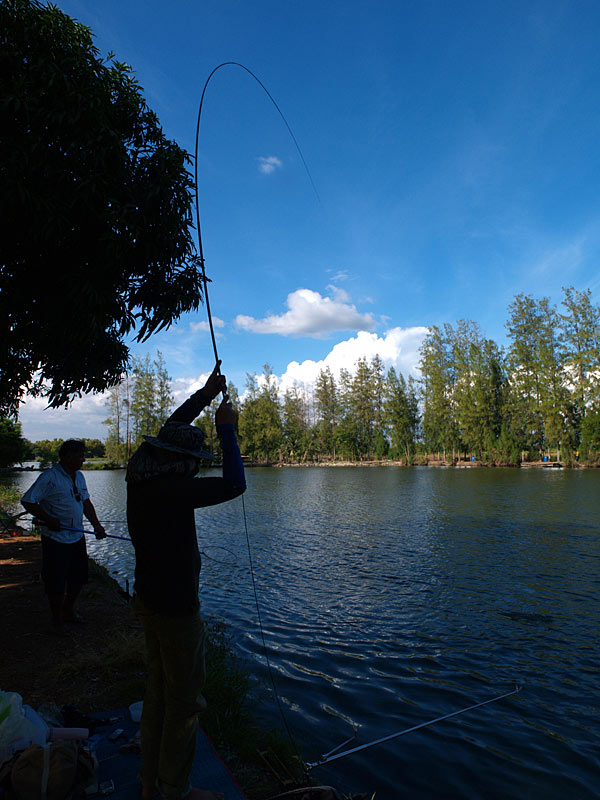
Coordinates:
(473, 399)
(539, 396)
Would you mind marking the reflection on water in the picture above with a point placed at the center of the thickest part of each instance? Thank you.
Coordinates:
(390, 597)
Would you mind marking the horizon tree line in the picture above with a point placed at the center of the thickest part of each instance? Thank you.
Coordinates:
(539, 396)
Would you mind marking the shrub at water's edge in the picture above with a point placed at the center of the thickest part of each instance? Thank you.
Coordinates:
(9, 497)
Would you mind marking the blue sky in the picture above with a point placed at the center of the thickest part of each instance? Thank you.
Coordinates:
(454, 147)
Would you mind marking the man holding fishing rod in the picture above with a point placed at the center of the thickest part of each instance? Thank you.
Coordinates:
(162, 494)
(58, 500)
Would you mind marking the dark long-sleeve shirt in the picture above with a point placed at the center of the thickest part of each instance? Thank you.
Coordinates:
(160, 516)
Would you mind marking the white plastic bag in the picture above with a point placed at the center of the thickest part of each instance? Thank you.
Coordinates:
(20, 725)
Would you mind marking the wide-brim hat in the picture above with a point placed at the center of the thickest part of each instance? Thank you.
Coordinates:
(179, 437)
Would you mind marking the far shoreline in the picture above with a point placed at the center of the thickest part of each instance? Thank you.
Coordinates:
(431, 463)
(421, 462)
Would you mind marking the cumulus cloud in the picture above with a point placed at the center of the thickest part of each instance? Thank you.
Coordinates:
(83, 418)
(268, 164)
(398, 348)
(310, 314)
(204, 326)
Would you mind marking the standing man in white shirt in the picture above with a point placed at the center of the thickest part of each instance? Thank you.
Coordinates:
(58, 499)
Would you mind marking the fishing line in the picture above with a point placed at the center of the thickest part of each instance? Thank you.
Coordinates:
(89, 533)
(128, 540)
(229, 564)
(212, 331)
(262, 633)
(200, 249)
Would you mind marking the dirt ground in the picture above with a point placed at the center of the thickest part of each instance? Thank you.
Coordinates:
(43, 667)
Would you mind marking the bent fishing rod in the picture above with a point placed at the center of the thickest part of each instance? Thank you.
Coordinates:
(205, 280)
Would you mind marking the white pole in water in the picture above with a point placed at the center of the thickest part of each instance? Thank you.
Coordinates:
(325, 760)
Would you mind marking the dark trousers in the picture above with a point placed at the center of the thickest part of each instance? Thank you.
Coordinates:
(173, 698)
(64, 566)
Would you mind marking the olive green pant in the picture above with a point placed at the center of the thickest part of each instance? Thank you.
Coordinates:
(173, 699)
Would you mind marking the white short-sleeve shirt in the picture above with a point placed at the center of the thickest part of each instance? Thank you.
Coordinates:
(60, 498)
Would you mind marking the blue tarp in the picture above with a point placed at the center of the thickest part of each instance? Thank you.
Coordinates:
(208, 772)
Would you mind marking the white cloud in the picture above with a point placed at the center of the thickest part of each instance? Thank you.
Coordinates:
(310, 314)
(339, 295)
(268, 164)
(398, 348)
(83, 418)
(340, 275)
(204, 326)
(182, 388)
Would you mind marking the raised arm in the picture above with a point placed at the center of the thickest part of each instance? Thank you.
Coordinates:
(233, 467)
(201, 492)
(188, 411)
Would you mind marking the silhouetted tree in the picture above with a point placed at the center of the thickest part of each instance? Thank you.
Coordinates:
(95, 202)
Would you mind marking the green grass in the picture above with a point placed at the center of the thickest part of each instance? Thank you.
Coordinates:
(10, 497)
(233, 697)
(10, 505)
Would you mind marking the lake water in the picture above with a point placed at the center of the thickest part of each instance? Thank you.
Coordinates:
(393, 596)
